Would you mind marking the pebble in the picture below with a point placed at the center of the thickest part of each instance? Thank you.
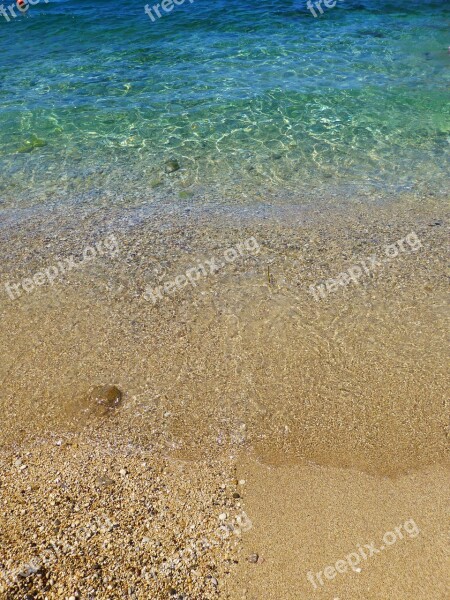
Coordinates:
(179, 495)
(253, 558)
(106, 397)
(172, 166)
(102, 480)
(31, 143)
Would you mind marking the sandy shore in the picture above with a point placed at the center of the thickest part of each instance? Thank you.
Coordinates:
(87, 520)
(327, 533)
(276, 414)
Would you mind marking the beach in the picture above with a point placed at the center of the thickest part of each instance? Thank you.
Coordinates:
(224, 302)
(329, 409)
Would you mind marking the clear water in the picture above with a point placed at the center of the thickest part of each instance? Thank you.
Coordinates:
(94, 98)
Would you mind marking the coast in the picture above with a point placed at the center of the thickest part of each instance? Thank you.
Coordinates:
(261, 435)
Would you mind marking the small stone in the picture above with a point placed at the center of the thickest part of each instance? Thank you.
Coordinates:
(105, 398)
(222, 517)
(17, 463)
(31, 143)
(253, 558)
(103, 481)
(172, 166)
(241, 481)
(27, 571)
(123, 472)
(236, 495)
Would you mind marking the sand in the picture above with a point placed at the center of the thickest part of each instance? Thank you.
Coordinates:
(306, 519)
(331, 410)
(90, 519)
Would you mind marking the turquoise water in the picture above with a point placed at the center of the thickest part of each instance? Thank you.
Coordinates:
(95, 98)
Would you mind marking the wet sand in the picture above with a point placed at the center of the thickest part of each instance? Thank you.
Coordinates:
(306, 519)
(331, 410)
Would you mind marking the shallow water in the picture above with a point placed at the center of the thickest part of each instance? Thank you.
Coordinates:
(244, 358)
(302, 133)
(248, 97)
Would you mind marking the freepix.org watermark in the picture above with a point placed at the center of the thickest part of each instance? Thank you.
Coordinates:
(108, 246)
(318, 6)
(410, 243)
(54, 550)
(208, 267)
(166, 5)
(21, 5)
(364, 551)
(229, 526)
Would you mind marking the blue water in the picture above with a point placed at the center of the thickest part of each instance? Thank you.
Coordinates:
(95, 98)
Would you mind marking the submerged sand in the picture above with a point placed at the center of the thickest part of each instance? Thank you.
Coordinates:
(331, 409)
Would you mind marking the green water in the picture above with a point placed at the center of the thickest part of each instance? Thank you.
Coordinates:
(247, 97)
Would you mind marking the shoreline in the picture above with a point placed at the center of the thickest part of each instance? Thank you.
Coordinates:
(240, 377)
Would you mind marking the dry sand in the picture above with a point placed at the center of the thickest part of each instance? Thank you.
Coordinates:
(332, 411)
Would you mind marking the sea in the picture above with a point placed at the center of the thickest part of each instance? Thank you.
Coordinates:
(219, 99)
